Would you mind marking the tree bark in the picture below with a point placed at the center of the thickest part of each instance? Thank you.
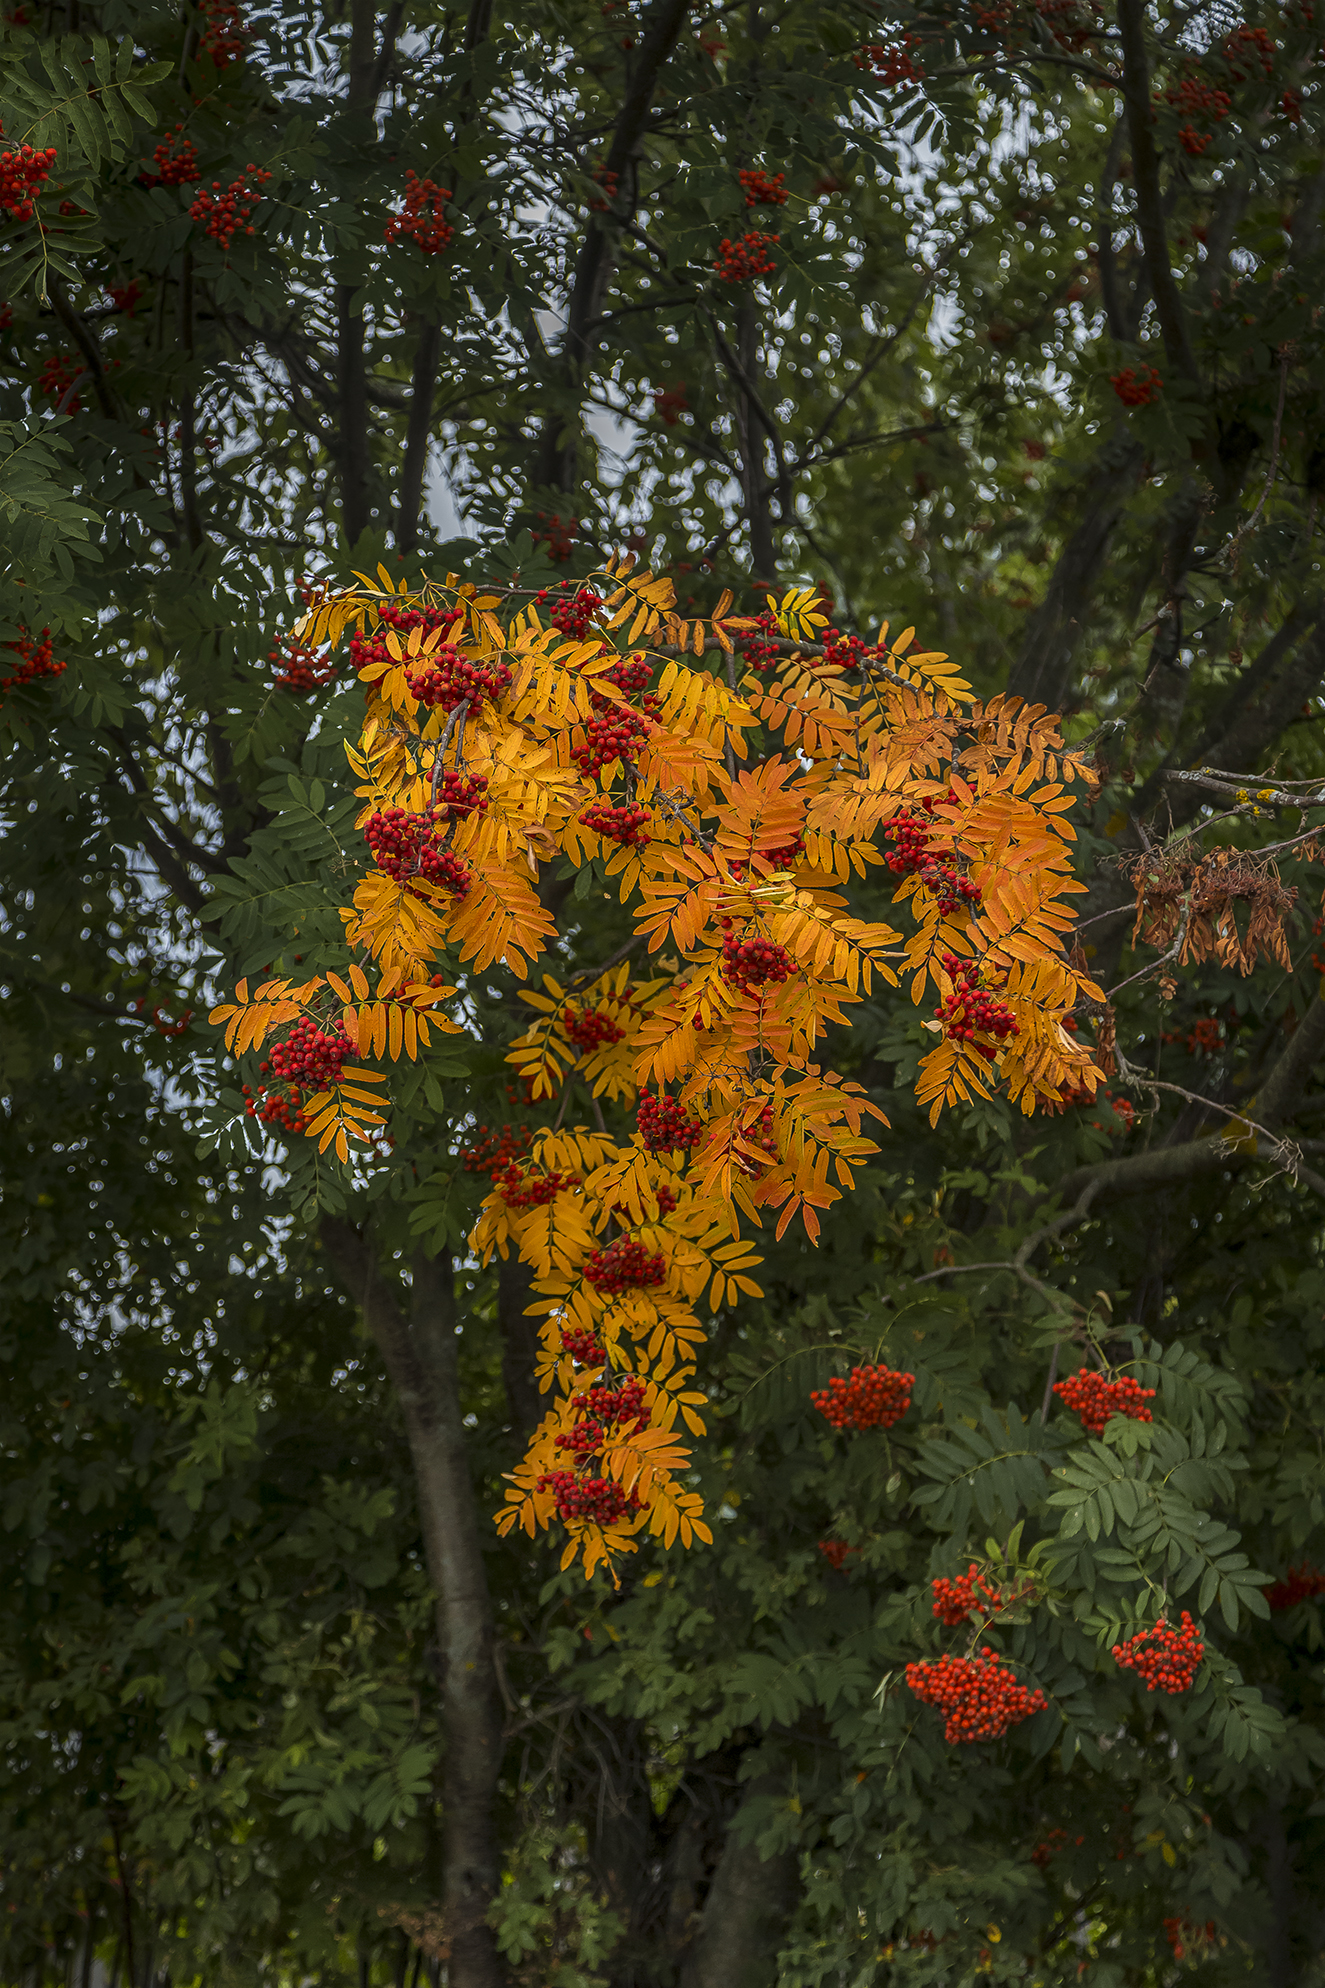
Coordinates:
(419, 1354)
(740, 1927)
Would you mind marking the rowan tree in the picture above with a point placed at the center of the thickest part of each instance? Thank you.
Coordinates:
(992, 323)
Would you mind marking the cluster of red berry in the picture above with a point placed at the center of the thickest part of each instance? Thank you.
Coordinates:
(601, 1408)
(1046, 1850)
(496, 1152)
(1197, 98)
(1136, 386)
(1302, 1583)
(626, 825)
(448, 678)
(36, 660)
(913, 857)
(310, 1057)
(222, 35)
(459, 794)
(405, 846)
(891, 62)
(572, 609)
(283, 1109)
(783, 857)
(759, 646)
(156, 1017)
(57, 375)
(978, 1698)
(836, 1552)
(590, 1029)
(556, 532)
(402, 621)
(968, 1594)
(301, 668)
(421, 219)
(972, 1010)
(609, 181)
(625, 1265)
(1095, 1398)
(870, 1398)
(742, 260)
(670, 403)
(22, 173)
(594, 1498)
(1245, 50)
(630, 675)
(1167, 1659)
(521, 1190)
(125, 297)
(228, 211)
(584, 1347)
(176, 162)
(616, 733)
(752, 963)
(665, 1126)
(763, 189)
(1183, 1933)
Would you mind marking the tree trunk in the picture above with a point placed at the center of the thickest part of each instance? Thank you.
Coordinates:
(740, 1928)
(419, 1353)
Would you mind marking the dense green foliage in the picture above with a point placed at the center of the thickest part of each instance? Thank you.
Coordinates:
(225, 1750)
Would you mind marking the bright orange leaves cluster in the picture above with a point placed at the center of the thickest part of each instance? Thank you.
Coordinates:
(731, 814)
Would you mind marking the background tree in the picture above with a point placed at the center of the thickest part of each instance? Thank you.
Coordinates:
(1032, 369)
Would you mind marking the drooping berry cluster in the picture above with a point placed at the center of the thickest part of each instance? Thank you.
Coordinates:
(751, 963)
(222, 36)
(971, 1010)
(625, 1265)
(125, 297)
(836, 1552)
(301, 668)
(1047, 1849)
(406, 846)
(912, 856)
(496, 1152)
(891, 62)
(571, 609)
(597, 1499)
(556, 532)
(283, 1109)
(967, 1594)
(1165, 1658)
(448, 678)
(630, 675)
(1184, 1934)
(609, 181)
(521, 1190)
(626, 825)
(870, 1398)
(227, 212)
(460, 794)
(749, 256)
(598, 1409)
(1094, 1397)
(1302, 1583)
(759, 647)
(310, 1057)
(36, 660)
(978, 1698)
(23, 173)
(788, 853)
(1246, 50)
(1136, 386)
(665, 1126)
(57, 375)
(421, 220)
(176, 162)
(584, 1348)
(591, 1028)
(617, 733)
(763, 189)
(402, 621)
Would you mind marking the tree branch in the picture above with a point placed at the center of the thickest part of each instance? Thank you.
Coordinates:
(1149, 199)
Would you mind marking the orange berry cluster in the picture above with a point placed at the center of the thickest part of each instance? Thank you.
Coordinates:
(751, 963)
(625, 825)
(891, 62)
(302, 668)
(625, 1265)
(459, 794)
(967, 1594)
(665, 1126)
(1302, 1583)
(836, 1552)
(583, 1347)
(36, 660)
(22, 173)
(1136, 386)
(283, 1109)
(574, 613)
(176, 162)
(449, 678)
(1167, 1659)
(520, 1190)
(228, 211)
(222, 36)
(590, 1029)
(594, 1498)
(406, 846)
(421, 219)
(619, 733)
(977, 1697)
(763, 189)
(972, 1010)
(496, 1152)
(870, 1398)
(309, 1057)
(1094, 1397)
(741, 261)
